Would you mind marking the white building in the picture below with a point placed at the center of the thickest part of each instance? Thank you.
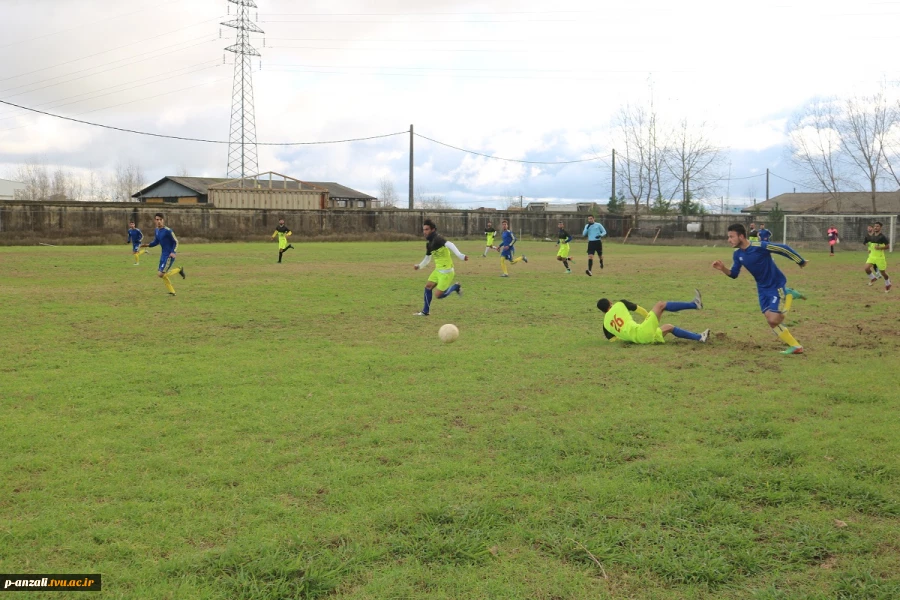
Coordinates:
(9, 188)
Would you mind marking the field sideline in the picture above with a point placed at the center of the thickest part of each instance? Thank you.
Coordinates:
(293, 430)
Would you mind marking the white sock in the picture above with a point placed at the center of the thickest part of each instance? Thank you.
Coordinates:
(887, 282)
(872, 277)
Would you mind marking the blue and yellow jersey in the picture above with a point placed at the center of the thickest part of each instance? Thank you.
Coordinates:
(135, 236)
(757, 259)
(764, 235)
(165, 238)
(508, 239)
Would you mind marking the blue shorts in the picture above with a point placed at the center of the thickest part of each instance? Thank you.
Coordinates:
(165, 263)
(772, 299)
(508, 254)
(135, 246)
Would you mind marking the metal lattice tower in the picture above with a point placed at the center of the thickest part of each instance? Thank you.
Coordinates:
(242, 154)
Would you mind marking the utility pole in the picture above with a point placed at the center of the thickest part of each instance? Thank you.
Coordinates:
(521, 202)
(242, 153)
(614, 174)
(767, 184)
(410, 167)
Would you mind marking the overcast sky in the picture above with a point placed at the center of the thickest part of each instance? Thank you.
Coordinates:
(529, 80)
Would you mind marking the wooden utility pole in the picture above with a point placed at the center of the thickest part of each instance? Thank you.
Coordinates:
(767, 184)
(614, 175)
(410, 167)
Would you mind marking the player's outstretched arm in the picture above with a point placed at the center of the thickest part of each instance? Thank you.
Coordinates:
(452, 247)
(424, 262)
(785, 250)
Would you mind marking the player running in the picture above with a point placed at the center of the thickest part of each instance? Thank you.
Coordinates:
(877, 243)
(563, 243)
(618, 324)
(443, 274)
(489, 233)
(135, 237)
(594, 232)
(165, 238)
(833, 238)
(764, 234)
(774, 297)
(868, 244)
(282, 232)
(507, 248)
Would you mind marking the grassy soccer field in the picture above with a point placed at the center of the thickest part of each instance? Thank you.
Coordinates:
(292, 431)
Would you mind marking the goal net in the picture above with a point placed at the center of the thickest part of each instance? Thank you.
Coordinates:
(812, 230)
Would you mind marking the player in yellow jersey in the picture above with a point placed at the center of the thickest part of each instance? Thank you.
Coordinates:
(282, 232)
(877, 244)
(619, 324)
(443, 274)
(489, 233)
(563, 242)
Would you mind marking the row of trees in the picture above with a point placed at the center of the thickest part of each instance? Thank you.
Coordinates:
(848, 145)
(664, 167)
(43, 182)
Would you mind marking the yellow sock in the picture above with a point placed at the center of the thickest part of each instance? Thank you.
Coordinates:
(174, 271)
(137, 259)
(516, 259)
(503, 265)
(142, 251)
(168, 284)
(788, 302)
(642, 311)
(785, 336)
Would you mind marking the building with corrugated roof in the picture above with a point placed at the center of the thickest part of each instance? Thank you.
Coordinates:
(842, 203)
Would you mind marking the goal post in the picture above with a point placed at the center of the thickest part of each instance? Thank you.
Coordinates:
(812, 230)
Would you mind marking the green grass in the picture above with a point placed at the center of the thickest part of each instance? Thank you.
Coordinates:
(292, 431)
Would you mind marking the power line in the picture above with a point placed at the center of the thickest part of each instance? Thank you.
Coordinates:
(529, 162)
(190, 139)
(20, 42)
(790, 181)
(110, 50)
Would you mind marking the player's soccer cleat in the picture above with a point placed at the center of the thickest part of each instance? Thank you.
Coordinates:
(421, 314)
(601, 263)
(569, 271)
(181, 272)
(525, 259)
(290, 247)
(871, 281)
(588, 271)
(171, 293)
(504, 275)
(698, 300)
(704, 336)
(793, 350)
(888, 287)
(797, 294)
(459, 289)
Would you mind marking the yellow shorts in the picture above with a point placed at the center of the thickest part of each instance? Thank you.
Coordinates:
(649, 332)
(563, 251)
(443, 280)
(878, 261)
(282, 243)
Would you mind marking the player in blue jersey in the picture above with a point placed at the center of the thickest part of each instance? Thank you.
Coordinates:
(764, 234)
(594, 232)
(135, 237)
(507, 248)
(165, 238)
(774, 297)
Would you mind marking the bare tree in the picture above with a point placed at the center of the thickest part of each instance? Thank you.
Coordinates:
(429, 201)
(386, 193)
(36, 178)
(891, 155)
(816, 148)
(863, 129)
(693, 163)
(128, 180)
(639, 166)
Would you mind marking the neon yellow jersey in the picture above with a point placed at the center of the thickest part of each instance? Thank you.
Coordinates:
(619, 322)
(443, 260)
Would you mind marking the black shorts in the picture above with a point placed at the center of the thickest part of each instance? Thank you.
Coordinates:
(595, 246)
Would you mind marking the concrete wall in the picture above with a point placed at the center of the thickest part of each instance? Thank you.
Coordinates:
(23, 222)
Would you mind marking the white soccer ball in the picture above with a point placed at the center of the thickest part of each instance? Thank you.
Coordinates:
(448, 333)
